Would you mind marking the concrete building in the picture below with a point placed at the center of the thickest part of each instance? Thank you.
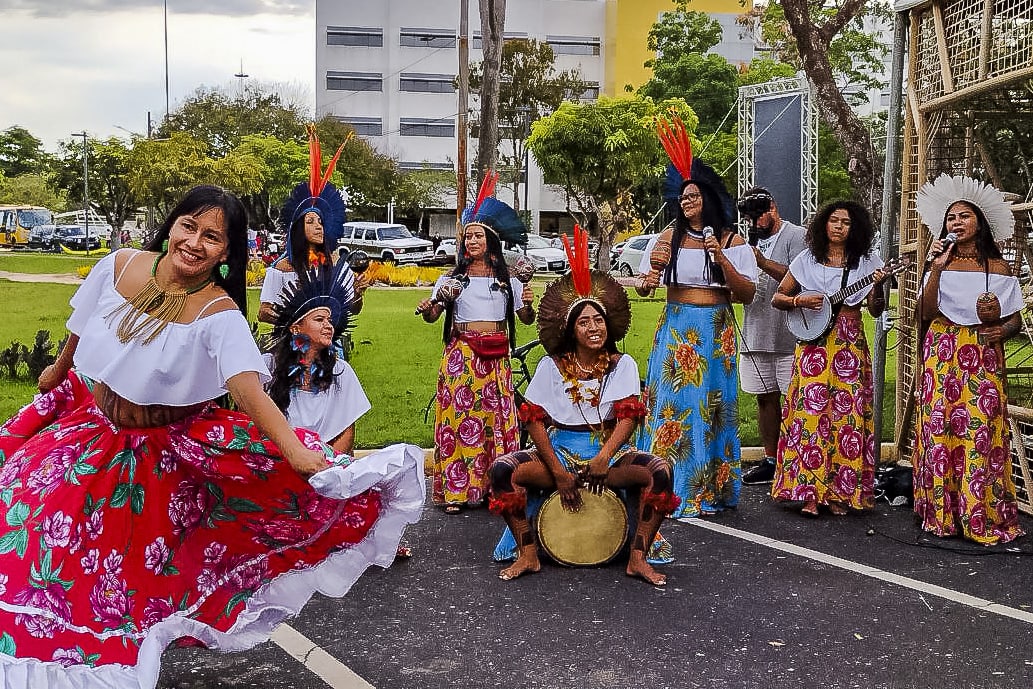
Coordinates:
(387, 69)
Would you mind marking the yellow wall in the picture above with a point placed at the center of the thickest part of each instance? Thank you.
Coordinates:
(627, 26)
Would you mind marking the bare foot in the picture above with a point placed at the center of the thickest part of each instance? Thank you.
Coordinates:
(639, 568)
(525, 564)
(837, 508)
(810, 509)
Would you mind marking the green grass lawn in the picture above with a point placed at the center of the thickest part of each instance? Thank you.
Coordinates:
(396, 354)
(43, 263)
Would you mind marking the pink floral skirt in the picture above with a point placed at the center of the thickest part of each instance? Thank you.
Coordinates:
(962, 460)
(475, 422)
(116, 542)
(826, 448)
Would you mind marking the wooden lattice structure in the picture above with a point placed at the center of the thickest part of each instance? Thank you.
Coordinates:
(968, 109)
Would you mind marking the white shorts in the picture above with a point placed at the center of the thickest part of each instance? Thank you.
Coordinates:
(764, 372)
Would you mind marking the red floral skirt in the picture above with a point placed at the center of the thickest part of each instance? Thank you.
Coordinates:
(115, 542)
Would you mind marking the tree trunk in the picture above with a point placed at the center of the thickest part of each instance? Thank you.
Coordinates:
(493, 25)
(812, 42)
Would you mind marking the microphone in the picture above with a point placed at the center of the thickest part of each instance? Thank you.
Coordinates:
(947, 241)
(717, 275)
(708, 231)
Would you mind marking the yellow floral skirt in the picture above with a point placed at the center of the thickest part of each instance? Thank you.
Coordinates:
(962, 459)
(826, 447)
(474, 422)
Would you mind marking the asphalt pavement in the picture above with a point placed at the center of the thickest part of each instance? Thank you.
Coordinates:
(757, 597)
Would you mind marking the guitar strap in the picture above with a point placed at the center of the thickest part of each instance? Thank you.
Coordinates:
(842, 286)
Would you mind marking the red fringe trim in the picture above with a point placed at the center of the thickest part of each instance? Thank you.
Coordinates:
(631, 408)
(665, 503)
(507, 503)
(531, 412)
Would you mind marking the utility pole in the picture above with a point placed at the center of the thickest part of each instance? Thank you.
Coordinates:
(85, 188)
(464, 107)
(165, 6)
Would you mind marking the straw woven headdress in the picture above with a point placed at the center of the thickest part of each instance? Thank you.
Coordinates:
(934, 198)
(579, 285)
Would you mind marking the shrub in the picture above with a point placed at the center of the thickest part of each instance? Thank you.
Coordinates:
(83, 271)
(402, 276)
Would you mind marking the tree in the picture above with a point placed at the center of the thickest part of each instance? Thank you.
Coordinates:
(21, 153)
(418, 190)
(493, 27)
(222, 120)
(598, 152)
(683, 69)
(833, 49)
(109, 179)
(529, 88)
(33, 190)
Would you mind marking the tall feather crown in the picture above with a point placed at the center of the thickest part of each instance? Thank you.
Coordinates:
(934, 198)
(317, 195)
(579, 285)
(684, 166)
(323, 286)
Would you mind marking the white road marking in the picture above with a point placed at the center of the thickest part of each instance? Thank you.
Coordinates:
(868, 571)
(329, 669)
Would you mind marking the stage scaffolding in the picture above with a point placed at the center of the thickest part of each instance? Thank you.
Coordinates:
(968, 110)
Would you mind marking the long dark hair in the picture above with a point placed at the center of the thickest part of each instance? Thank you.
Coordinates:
(712, 215)
(569, 343)
(985, 244)
(204, 198)
(299, 245)
(858, 240)
(288, 371)
(497, 261)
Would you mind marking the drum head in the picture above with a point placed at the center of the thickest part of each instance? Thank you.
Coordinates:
(591, 536)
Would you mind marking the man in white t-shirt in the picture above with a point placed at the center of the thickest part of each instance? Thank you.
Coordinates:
(766, 353)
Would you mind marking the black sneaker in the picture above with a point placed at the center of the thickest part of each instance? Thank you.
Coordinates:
(762, 473)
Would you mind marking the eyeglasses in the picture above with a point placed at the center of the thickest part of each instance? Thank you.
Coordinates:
(690, 197)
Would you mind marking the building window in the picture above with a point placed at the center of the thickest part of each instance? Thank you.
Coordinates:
(507, 36)
(364, 126)
(411, 166)
(574, 45)
(423, 126)
(354, 81)
(355, 35)
(590, 93)
(427, 38)
(427, 83)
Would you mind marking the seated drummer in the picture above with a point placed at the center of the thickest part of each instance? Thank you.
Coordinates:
(587, 395)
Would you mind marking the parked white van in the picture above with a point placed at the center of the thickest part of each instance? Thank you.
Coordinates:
(386, 242)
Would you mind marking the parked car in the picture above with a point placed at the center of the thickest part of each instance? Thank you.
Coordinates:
(43, 238)
(545, 256)
(446, 252)
(74, 237)
(388, 242)
(615, 253)
(627, 261)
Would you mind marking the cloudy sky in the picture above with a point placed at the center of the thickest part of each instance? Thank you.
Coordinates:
(97, 65)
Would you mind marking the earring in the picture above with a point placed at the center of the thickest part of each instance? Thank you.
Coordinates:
(165, 247)
(224, 270)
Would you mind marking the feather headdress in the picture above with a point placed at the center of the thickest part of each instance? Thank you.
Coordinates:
(581, 284)
(494, 214)
(317, 195)
(322, 287)
(684, 166)
(934, 198)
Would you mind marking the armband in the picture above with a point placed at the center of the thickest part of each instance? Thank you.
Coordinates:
(631, 408)
(664, 503)
(510, 502)
(531, 412)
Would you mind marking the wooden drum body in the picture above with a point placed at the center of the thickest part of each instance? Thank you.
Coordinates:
(591, 536)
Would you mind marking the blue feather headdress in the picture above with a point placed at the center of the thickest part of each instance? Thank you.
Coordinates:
(494, 214)
(317, 196)
(322, 287)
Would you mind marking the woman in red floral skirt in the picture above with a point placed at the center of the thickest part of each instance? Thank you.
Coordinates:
(136, 511)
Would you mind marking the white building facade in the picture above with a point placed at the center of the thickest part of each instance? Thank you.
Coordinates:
(388, 70)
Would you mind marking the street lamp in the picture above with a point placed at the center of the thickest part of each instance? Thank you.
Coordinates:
(242, 76)
(85, 188)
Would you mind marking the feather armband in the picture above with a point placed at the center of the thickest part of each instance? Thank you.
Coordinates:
(664, 503)
(631, 408)
(510, 502)
(531, 412)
